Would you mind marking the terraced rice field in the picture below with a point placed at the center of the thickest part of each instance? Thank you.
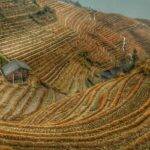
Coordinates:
(71, 107)
(110, 115)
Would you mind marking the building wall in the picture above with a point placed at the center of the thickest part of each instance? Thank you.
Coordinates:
(18, 75)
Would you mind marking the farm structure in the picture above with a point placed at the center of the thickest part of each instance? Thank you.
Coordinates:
(16, 71)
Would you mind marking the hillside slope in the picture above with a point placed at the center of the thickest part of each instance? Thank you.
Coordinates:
(53, 47)
(136, 31)
(112, 115)
(72, 107)
(19, 101)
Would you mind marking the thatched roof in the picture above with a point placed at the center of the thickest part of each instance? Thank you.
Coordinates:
(13, 66)
(108, 74)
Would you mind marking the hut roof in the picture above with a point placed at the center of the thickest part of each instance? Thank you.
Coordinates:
(106, 74)
(13, 66)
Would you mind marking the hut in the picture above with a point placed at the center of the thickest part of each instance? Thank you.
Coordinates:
(108, 74)
(16, 71)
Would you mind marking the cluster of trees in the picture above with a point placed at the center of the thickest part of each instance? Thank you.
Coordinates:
(43, 15)
(127, 64)
(87, 60)
(3, 60)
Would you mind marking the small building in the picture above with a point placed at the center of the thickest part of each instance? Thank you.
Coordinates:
(108, 74)
(16, 71)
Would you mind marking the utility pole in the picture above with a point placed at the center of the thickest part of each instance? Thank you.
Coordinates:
(124, 44)
(94, 17)
(124, 47)
(123, 58)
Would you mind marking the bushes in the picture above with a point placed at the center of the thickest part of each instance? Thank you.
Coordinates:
(83, 54)
(89, 83)
(35, 2)
(3, 60)
(87, 62)
(44, 15)
(145, 67)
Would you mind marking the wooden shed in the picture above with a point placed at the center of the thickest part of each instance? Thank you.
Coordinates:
(16, 71)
